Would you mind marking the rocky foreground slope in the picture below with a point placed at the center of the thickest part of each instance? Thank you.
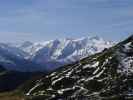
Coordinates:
(104, 76)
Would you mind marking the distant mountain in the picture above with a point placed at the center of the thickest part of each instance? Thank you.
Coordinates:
(13, 58)
(49, 55)
(65, 51)
(107, 75)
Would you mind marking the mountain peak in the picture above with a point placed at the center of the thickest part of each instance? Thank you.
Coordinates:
(95, 38)
(130, 39)
(26, 44)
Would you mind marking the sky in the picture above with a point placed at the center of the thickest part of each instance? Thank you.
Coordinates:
(42, 20)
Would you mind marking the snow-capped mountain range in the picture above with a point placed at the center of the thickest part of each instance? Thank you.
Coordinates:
(107, 75)
(49, 55)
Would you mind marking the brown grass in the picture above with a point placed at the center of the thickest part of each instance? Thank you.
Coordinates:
(11, 96)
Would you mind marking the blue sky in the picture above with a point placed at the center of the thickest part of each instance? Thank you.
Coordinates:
(40, 20)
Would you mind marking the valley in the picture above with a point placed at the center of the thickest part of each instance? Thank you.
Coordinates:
(106, 75)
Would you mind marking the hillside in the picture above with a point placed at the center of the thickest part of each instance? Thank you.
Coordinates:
(107, 75)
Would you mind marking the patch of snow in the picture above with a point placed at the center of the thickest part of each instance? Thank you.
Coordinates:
(38, 84)
(69, 73)
(57, 80)
(95, 64)
(86, 66)
(91, 65)
(63, 90)
(127, 46)
(126, 65)
(96, 70)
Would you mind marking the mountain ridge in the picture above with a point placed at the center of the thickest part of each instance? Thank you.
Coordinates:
(107, 75)
(53, 53)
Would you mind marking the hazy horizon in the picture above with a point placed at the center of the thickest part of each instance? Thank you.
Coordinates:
(43, 20)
